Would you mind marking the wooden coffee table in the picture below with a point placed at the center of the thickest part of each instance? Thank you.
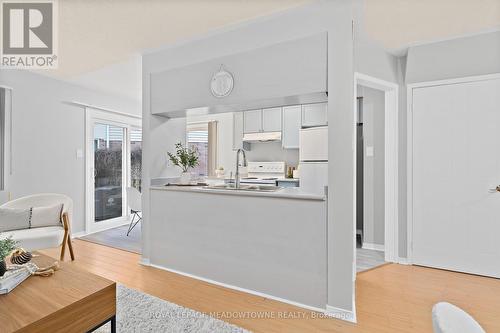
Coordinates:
(71, 300)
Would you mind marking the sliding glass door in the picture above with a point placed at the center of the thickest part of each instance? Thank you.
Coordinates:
(109, 163)
(114, 162)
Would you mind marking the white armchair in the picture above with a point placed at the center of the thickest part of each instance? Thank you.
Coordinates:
(44, 237)
(448, 318)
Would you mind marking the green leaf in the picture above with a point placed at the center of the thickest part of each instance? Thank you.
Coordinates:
(185, 157)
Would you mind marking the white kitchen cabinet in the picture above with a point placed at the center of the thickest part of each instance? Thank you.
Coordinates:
(238, 132)
(271, 120)
(292, 120)
(252, 121)
(314, 114)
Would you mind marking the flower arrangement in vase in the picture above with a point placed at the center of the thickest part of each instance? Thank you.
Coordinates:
(185, 158)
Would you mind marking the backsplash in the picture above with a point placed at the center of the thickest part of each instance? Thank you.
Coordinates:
(271, 152)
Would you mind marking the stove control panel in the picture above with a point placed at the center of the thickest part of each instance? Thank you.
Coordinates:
(266, 167)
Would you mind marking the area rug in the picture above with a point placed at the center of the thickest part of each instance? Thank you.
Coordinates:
(139, 312)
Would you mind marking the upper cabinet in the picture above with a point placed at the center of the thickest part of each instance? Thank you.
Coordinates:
(314, 115)
(238, 132)
(271, 120)
(292, 119)
(265, 120)
(263, 77)
(252, 121)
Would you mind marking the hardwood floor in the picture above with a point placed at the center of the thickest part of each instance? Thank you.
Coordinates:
(390, 298)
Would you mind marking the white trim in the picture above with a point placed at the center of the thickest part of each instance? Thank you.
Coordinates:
(341, 314)
(409, 138)
(146, 262)
(85, 105)
(403, 261)
(465, 79)
(391, 141)
(373, 246)
(5, 87)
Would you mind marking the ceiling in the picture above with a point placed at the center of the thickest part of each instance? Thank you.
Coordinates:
(398, 24)
(97, 33)
(99, 40)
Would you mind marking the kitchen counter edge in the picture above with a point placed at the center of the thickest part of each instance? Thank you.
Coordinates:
(287, 193)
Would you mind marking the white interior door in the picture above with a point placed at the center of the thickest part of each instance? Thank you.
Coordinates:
(456, 161)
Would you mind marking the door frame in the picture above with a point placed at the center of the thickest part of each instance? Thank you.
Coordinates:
(93, 115)
(391, 166)
(409, 138)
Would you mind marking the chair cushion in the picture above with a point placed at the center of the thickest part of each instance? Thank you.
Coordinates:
(46, 216)
(14, 218)
(447, 318)
(37, 238)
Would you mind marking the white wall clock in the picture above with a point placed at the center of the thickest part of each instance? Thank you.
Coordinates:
(222, 83)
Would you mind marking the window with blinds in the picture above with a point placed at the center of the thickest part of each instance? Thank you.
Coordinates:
(203, 137)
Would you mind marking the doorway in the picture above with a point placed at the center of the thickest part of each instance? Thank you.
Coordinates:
(370, 215)
(113, 163)
(376, 159)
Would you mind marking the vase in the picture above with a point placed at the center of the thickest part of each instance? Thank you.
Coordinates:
(3, 267)
(185, 178)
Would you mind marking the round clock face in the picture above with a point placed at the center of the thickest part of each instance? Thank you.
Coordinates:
(222, 84)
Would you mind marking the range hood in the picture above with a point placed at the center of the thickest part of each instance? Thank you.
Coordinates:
(262, 137)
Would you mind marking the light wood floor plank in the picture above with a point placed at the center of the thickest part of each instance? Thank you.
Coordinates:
(390, 298)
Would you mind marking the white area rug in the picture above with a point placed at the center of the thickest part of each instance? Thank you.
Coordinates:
(139, 312)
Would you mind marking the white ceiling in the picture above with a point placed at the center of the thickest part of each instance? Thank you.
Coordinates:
(99, 40)
(398, 24)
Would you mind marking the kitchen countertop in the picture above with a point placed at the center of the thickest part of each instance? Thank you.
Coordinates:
(288, 192)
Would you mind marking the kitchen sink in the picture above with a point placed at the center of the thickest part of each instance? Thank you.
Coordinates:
(257, 188)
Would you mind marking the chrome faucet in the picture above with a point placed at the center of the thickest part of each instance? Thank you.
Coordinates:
(237, 174)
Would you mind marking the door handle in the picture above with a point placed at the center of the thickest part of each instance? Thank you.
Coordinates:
(494, 190)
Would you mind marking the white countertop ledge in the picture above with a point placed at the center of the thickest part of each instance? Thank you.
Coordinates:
(287, 192)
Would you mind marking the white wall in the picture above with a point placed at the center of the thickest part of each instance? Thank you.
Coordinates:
(47, 132)
(461, 57)
(370, 58)
(334, 17)
(374, 170)
(271, 152)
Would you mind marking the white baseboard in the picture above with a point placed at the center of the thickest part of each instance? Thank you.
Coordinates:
(145, 261)
(402, 261)
(341, 314)
(248, 291)
(373, 246)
